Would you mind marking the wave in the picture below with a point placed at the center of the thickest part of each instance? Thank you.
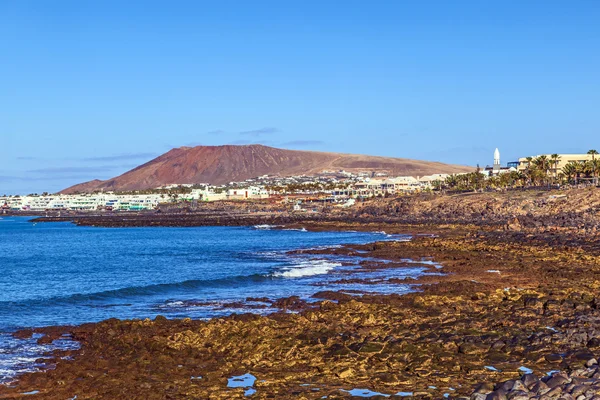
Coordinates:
(307, 268)
(394, 237)
(148, 290)
(299, 269)
(324, 247)
(265, 227)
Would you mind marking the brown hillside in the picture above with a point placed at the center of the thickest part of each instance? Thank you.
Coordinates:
(222, 164)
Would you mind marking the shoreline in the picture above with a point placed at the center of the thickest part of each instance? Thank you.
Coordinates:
(455, 248)
(519, 295)
(269, 305)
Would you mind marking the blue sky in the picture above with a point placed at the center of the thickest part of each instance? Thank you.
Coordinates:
(91, 89)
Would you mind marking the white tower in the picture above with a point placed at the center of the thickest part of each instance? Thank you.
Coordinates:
(496, 160)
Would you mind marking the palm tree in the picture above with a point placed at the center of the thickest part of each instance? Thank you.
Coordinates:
(594, 165)
(506, 180)
(555, 158)
(542, 163)
(587, 169)
(528, 168)
(593, 153)
(519, 177)
(529, 160)
(572, 170)
(452, 181)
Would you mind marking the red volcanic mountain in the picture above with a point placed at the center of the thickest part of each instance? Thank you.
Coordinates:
(223, 164)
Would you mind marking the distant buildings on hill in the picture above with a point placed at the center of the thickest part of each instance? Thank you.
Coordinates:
(328, 188)
(554, 163)
(558, 162)
(330, 185)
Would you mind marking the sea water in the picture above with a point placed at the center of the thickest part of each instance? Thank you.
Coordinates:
(59, 273)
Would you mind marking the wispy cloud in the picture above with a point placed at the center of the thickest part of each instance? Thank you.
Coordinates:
(303, 143)
(121, 157)
(62, 178)
(70, 170)
(260, 132)
(80, 170)
(115, 157)
(246, 142)
(37, 178)
(73, 173)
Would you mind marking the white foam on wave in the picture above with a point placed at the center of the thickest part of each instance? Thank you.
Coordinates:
(265, 226)
(177, 303)
(21, 355)
(325, 247)
(272, 254)
(307, 268)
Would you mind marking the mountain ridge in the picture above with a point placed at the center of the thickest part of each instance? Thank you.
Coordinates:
(229, 163)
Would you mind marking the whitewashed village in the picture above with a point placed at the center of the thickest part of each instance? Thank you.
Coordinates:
(328, 187)
(338, 187)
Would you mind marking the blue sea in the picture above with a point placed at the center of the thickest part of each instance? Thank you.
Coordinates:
(58, 274)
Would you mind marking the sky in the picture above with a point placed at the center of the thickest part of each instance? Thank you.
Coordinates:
(91, 89)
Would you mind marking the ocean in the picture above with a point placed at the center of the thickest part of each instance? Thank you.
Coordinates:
(59, 274)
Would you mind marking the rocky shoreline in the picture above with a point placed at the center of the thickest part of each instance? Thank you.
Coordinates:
(510, 307)
(471, 325)
(574, 210)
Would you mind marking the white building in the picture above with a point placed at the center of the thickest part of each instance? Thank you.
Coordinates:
(252, 192)
(428, 180)
(375, 187)
(83, 202)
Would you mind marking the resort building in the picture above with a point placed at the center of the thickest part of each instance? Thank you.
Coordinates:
(83, 202)
(563, 159)
(376, 187)
(427, 181)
